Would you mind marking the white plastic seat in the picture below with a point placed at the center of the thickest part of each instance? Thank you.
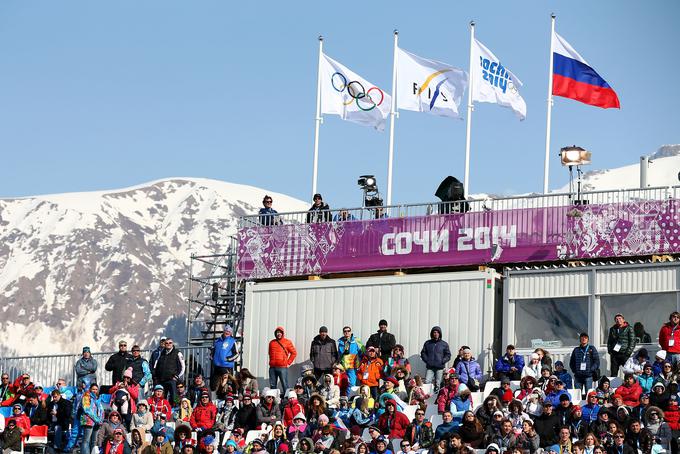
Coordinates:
(575, 396)
(490, 386)
(436, 420)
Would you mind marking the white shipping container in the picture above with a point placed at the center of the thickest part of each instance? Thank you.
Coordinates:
(464, 304)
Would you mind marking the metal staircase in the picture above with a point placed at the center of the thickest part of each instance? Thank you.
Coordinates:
(216, 299)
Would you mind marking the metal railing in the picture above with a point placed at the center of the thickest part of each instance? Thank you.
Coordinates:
(47, 369)
(490, 203)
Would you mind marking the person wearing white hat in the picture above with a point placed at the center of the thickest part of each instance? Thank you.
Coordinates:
(659, 360)
(533, 367)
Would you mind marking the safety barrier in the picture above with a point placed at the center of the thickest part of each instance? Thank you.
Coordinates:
(47, 369)
(489, 203)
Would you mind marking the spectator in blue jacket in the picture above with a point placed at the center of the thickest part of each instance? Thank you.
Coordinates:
(591, 409)
(509, 365)
(554, 395)
(583, 363)
(267, 213)
(223, 355)
(469, 370)
(562, 374)
(86, 367)
(659, 361)
(435, 354)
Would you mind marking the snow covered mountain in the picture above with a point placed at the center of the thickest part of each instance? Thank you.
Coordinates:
(90, 268)
(662, 171)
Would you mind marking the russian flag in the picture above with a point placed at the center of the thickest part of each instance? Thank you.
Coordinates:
(574, 78)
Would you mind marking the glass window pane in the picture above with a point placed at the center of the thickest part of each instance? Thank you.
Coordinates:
(550, 322)
(645, 312)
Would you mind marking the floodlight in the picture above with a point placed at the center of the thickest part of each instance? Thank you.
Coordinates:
(367, 182)
(575, 156)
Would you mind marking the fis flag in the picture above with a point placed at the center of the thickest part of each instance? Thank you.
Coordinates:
(574, 78)
(493, 82)
(428, 85)
(352, 97)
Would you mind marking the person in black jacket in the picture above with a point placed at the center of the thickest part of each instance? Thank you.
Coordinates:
(36, 410)
(59, 417)
(383, 341)
(546, 425)
(584, 363)
(246, 416)
(435, 354)
(170, 369)
(117, 363)
(323, 353)
(319, 211)
(619, 446)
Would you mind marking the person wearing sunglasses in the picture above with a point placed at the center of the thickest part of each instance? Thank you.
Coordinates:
(319, 211)
(117, 363)
(350, 350)
(419, 433)
(268, 215)
(620, 446)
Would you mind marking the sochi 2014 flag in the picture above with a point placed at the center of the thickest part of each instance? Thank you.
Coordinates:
(493, 82)
(352, 97)
(429, 86)
(574, 78)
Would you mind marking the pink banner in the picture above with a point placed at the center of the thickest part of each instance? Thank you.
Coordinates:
(507, 236)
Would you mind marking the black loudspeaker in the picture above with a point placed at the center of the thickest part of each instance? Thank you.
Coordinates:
(449, 191)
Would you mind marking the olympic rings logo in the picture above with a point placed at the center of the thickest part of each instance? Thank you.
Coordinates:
(357, 93)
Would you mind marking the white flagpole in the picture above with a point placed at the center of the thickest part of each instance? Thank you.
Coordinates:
(393, 114)
(470, 108)
(546, 165)
(318, 118)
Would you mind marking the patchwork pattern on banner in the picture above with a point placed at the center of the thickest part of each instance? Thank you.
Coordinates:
(533, 235)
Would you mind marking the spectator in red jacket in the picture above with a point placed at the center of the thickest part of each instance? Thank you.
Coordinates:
(669, 338)
(629, 391)
(204, 415)
(282, 353)
(340, 378)
(158, 404)
(21, 388)
(292, 408)
(393, 422)
(21, 419)
(672, 415)
(447, 393)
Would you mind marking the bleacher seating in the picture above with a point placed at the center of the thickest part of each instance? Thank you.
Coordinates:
(490, 386)
(436, 420)
(36, 440)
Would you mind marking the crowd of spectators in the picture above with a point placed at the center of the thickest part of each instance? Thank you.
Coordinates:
(354, 398)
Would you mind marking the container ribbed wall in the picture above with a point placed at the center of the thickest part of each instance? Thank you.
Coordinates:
(460, 303)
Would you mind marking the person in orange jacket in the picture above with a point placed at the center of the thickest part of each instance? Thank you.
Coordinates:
(370, 369)
(282, 353)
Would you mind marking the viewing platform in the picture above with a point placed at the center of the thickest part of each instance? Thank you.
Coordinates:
(511, 230)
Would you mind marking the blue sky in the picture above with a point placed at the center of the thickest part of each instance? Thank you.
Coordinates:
(101, 95)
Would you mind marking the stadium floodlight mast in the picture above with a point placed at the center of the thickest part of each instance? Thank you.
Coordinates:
(571, 157)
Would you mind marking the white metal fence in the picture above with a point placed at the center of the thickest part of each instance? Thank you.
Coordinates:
(532, 201)
(46, 369)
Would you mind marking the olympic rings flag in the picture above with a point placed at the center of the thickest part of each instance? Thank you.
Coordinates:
(429, 86)
(352, 97)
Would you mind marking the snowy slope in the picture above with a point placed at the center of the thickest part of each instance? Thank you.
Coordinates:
(88, 268)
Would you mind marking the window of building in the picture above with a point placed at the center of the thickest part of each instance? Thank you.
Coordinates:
(550, 322)
(645, 313)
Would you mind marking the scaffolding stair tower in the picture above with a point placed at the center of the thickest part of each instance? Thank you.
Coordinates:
(216, 299)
